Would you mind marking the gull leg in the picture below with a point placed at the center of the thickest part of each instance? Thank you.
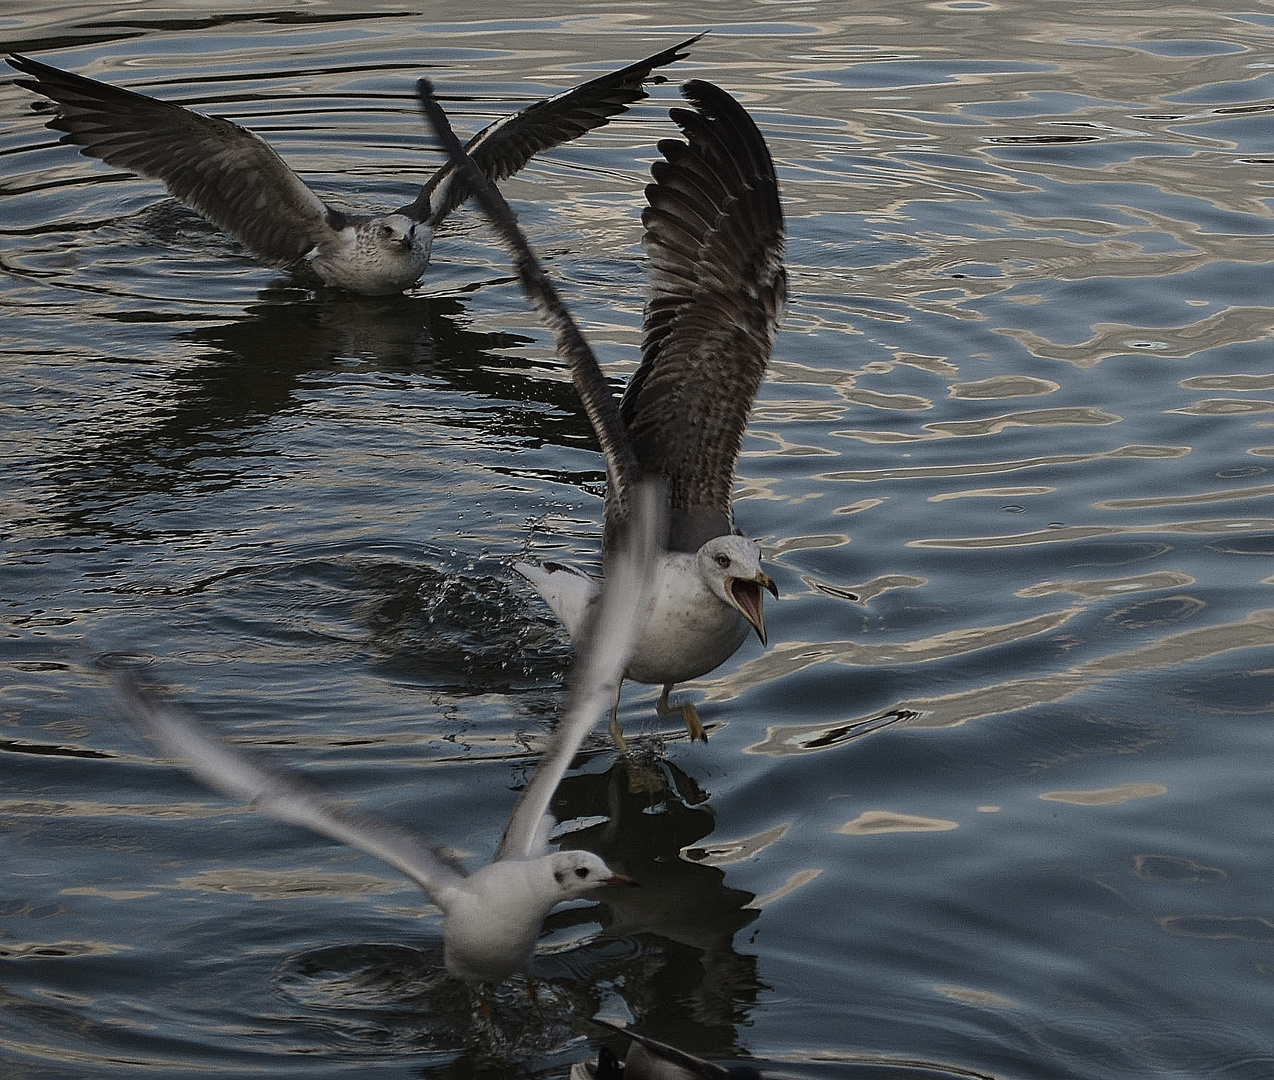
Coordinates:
(641, 777)
(616, 732)
(535, 998)
(485, 1005)
(689, 715)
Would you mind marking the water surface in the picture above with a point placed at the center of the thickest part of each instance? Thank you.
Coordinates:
(995, 800)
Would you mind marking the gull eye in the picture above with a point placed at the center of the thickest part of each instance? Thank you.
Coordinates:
(581, 872)
(723, 561)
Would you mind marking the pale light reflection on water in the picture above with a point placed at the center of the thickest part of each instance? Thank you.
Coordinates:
(993, 803)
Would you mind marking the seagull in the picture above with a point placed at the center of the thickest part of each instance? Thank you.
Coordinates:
(714, 237)
(650, 1059)
(234, 179)
(491, 917)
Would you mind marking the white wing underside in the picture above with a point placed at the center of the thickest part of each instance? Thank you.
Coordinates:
(567, 590)
(601, 662)
(284, 798)
(603, 651)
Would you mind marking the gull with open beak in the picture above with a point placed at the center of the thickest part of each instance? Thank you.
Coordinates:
(714, 236)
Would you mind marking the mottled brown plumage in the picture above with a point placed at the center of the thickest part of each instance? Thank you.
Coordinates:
(714, 235)
(234, 179)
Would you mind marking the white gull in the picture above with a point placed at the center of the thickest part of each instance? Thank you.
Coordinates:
(714, 237)
(491, 917)
(234, 179)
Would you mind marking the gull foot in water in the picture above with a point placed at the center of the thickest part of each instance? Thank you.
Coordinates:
(617, 732)
(689, 714)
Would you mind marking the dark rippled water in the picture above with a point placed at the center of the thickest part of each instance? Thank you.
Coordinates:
(996, 800)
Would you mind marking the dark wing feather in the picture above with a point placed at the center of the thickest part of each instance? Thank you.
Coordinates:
(225, 172)
(594, 392)
(714, 237)
(502, 148)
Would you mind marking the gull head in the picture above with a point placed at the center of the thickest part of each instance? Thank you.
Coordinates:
(389, 230)
(731, 566)
(576, 873)
(385, 254)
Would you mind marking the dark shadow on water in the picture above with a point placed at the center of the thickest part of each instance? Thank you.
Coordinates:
(203, 415)
(259, 361)
(666, 947)
(685, 982)
(15, 746)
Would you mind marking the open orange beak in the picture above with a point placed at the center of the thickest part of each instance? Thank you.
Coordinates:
(746, 594)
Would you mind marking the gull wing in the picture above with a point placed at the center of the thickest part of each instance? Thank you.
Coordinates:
(603, 654)
(228, 174)
(502, 148)
(233, 773)
(624, 599)
(714, 237)
(620, 613)
(594, 392)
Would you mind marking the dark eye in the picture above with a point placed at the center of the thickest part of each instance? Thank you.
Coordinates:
(581, 872)
(723, 561)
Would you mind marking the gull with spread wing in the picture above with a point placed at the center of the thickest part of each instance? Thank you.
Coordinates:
(714, 236)
(491, 917)
(234, 179)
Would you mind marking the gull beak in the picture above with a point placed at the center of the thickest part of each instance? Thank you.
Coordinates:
(746, 594)
(620, 879)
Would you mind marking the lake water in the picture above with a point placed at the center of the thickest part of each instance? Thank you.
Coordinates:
(996, 800)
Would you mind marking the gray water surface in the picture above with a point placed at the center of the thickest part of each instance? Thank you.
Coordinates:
(995, 801)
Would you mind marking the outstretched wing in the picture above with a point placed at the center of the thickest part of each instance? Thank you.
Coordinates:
(233, 773)
(594, 392)
(602, 656)
(225, 172)
(714, 237)
(504, 147)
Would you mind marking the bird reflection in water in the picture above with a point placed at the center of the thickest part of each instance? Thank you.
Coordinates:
(686, 977)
